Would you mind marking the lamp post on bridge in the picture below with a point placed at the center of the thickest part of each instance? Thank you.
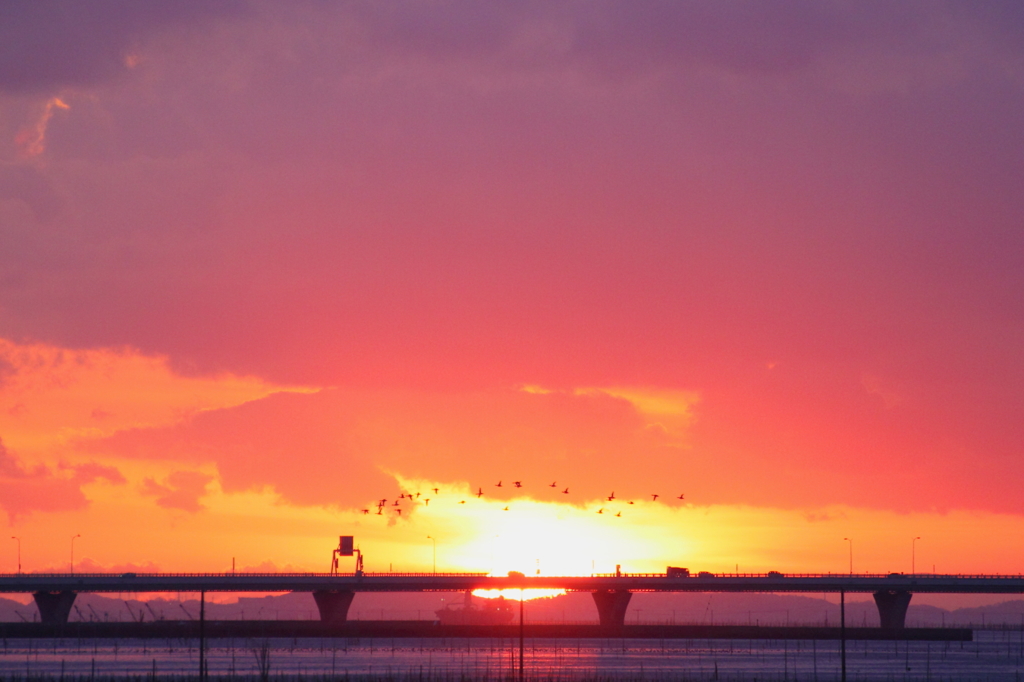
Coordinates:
(913, 556)
(73, 552)
(851, 554)
(432, 538)
(19, 552)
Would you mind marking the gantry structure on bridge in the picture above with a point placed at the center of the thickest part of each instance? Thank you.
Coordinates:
(333, 592)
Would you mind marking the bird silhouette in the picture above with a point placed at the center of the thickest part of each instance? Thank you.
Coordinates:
(654, 496)
(436, 491)
(681, 496)
(380, 510)
(426, 501)
(612, 496)
(619, 514)
(365, 511)
(565, 492)
(498, 484)
(399, 511)
(518, 484)
(505, 509)
(479, 492)
(554, 484)
(601, 510)
(462, 502)
(630, 502)
(417, 496)
(402, 496)
(395, 504)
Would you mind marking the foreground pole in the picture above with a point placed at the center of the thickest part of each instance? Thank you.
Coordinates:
(202, 636)
(842, 631)
(521, 636)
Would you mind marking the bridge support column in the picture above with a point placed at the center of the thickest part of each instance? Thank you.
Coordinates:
(611, 606)
(892, 608)
(333, 605)
(54, 607)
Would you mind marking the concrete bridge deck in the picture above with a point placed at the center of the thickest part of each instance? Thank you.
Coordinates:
(55, 593)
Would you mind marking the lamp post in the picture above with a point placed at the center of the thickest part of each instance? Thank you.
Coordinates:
(73, 552)
(913, 555)
(434, 540)
(851, 554)
(19, 552)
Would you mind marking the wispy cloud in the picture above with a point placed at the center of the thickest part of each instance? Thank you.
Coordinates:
(31, 141)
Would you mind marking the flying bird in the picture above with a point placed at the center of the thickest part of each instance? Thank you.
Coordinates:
(565, 492)
(554, 484)
(462, 502)
(479, 492)
(365, 511)
(619, 514)
(630, 502)
(417, 496)
(435, 491)
(654, 497)
(498, 484)
(426, 501)
(612, 496)
(601, 510)
(399, 511)
(505, 509)
(518, 484)
(681, 496)
(380, 510)
(395, 504)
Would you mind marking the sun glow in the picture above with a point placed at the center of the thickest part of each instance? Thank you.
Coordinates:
(534, 537)
(525, 595)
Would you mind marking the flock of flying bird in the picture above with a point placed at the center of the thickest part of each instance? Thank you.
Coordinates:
(415, 498)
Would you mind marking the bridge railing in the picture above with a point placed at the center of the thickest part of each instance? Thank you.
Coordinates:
(394, 574)
(230, 574)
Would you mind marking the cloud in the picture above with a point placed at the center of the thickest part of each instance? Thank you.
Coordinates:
(31, 141)
(49, 394)
(24, 490)
(335, 447)
(567, 195)
(181, 490)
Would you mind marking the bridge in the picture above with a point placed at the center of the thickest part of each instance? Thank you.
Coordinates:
(333, 592)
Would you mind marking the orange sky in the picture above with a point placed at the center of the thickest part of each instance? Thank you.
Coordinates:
(160, 471)
(262, 266)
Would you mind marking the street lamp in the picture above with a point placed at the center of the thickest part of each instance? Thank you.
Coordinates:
(19, 552)
(913, 555)
(851, 554)
(73, 552)
(434, 540)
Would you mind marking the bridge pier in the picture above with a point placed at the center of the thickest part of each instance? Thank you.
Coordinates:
(54, 607)
(892, 608)
(333, 605)
(611, 606)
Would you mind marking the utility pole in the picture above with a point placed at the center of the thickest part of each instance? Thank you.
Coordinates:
(851, 554)
(913, 556)
(842, 630)
(521, 635)
(202, 636)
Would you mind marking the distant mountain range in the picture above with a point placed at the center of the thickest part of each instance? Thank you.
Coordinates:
(682, 608)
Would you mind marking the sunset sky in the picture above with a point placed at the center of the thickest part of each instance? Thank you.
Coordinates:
(263, 264)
